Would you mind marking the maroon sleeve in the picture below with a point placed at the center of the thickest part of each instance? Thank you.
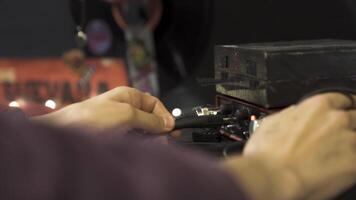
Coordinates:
(39, 162)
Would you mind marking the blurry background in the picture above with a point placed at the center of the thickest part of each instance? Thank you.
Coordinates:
(184, 39)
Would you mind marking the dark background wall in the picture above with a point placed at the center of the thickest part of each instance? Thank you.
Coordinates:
(45, 27)
(276, 20)
(188, 31)
(35, 28)
(238, 21)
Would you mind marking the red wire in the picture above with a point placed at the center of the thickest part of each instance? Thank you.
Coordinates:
(231, 136)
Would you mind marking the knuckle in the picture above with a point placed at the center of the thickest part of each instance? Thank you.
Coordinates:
(319, 104)
(119, 89)
(155, 99)
(322, 102)
(125, 94)
(318, 101)
(122, 90)
(340, 117)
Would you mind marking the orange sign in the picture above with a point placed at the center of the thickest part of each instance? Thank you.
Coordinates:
(38, 80)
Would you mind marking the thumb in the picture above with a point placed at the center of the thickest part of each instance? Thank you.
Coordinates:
(152, 122)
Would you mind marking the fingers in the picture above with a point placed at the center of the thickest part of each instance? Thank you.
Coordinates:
(342, 119)
(142, 101)
(352, 114)
(153, 105)
(338, 106)
(150, 122)
(332, 100)
(138, 99)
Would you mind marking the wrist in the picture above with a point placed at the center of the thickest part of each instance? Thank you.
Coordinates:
(63, 117)
(263, 179)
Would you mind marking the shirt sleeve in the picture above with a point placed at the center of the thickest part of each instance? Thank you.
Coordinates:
(40, 162)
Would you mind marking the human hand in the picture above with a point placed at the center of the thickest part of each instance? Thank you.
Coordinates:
(120, 107)
(307, 150)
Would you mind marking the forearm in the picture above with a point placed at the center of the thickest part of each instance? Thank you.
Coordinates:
(262, 180)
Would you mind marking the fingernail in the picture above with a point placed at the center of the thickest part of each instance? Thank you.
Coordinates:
(168, 122)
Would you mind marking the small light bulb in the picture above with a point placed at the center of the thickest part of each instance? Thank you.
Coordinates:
(14, 104)
(176, 112)
(253, 118)
(51, 104)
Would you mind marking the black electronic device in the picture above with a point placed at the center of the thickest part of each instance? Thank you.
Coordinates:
(275, 75)
(255, 80)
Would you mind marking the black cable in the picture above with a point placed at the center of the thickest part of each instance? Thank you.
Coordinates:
(202, 122)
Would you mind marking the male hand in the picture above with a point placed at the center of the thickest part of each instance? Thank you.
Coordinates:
(120, 107)
(307, 151)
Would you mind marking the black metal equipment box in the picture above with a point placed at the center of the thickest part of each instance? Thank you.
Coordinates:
(275, 75)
